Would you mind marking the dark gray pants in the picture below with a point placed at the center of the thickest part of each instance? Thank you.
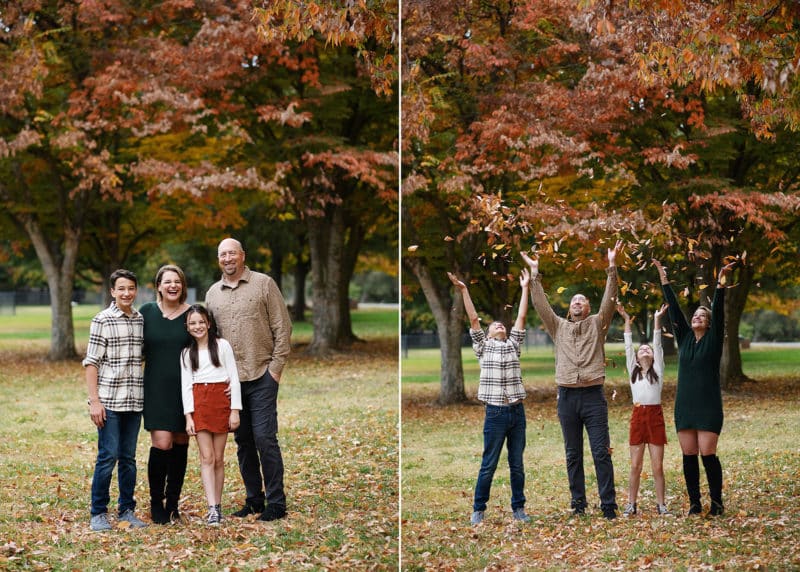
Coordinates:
(257, 443)
(581, 407)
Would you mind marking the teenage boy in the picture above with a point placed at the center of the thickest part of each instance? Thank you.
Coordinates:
(501, 390)
(113, 366)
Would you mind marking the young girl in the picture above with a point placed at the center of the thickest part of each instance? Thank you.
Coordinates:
(208, 368)
(646, 368)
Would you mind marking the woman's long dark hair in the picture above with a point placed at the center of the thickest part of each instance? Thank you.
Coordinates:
(651, 376)
(191, 346)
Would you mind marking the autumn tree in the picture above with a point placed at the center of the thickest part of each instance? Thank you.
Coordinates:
(160, 105)
(527, 106)
(306, 123)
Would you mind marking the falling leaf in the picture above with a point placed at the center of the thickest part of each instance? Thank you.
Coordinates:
(448, 239)
(413, 248)
(560, 289)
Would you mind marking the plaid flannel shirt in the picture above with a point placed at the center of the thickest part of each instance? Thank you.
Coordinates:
(115, 349)
(501, 377)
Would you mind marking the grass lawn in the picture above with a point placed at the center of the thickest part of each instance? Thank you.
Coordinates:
(338, 431)
(441, 454)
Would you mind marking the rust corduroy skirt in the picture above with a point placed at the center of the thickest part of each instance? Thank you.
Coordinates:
(647, 425)
(212, 408)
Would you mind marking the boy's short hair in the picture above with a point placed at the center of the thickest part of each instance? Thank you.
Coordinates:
(122, 273)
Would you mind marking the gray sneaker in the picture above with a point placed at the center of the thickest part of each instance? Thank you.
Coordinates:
(476, 518)
(519, 514)
(128, 516)
(663, 510)
(100, 522)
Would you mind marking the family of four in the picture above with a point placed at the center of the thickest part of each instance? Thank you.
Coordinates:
(207, 370)
(579, 343)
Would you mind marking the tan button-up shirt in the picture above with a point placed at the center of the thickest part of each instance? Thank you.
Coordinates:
(252, 316)
(579, 346)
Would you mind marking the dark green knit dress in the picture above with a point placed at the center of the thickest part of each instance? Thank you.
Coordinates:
(698, 402)
(163, 341)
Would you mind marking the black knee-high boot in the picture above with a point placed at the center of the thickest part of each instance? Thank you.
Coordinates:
(714, 475)
(691, 474)
(156, 478)
(176, 471)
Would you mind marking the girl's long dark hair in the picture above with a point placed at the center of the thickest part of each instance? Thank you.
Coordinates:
(651, 376)
(191, 346)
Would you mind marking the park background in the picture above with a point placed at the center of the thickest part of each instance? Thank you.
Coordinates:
(135, 134)
(561, 127)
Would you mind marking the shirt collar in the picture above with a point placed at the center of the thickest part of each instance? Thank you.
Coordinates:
(118, 313)
(245, 277)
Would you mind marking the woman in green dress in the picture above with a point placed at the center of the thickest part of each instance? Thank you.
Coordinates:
(165, 336)
(698, 401)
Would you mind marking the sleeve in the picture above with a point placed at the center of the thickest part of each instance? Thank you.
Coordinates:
(718, 316)
(281, 325)
(229, 360)
(98, 341)
(609, 303)
(478, 341)
(658, 356)
(680, 326)
(542, 306)
(186, 383)
(630, 356)
(517, 337)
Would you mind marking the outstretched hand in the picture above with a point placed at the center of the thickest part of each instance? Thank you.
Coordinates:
(658, 313)
(621, 311)
(725, 270)
(532, 262)
(524, 278)
(612, 254)
(456, 282)
(662, 273)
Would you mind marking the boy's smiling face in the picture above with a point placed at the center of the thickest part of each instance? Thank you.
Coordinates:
(124, 293)
(497, 331)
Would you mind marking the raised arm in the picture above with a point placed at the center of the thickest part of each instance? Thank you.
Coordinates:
(658, 348)
(522, 313)
(718, 304)
(630, 356)
(609, 301)
(538, 297)
(625, 316)
(472, 314)
(680, 326)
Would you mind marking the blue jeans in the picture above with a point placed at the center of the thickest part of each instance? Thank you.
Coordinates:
(258, 450)
(116, 445)
(502, 424)
(581, 407)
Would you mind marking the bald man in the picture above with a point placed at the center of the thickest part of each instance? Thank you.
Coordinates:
(580, 374)
(251, 314)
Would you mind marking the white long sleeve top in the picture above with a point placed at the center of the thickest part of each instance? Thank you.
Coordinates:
(207, 372)
(644, 392)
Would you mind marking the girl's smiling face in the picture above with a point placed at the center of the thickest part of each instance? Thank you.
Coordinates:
(197, 325)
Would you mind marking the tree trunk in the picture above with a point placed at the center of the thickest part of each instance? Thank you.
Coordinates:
(59, 268)
(326, 238)
(276, 266)
(449, 315)
(731, 373)
(299, 303)
(355, 239)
